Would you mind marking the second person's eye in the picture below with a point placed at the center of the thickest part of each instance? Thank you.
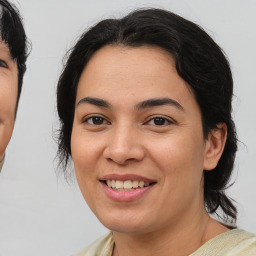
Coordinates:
(3, 64)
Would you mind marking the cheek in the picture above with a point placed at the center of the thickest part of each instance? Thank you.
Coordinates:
(181, 169)
(178, 150)
(8, 98)
(81, 158)
(5, 136)
(79, 151)
(85, 154)
(180, 159)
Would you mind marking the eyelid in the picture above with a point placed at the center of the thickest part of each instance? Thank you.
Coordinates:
(168, 119)
(88, 117)
(3, 64)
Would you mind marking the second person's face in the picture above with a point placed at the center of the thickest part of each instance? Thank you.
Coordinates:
(137, 141)
(8, 96)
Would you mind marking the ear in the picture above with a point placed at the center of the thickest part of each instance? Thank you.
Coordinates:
(214, 146)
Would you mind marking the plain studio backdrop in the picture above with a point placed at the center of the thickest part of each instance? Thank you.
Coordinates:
(40, 213)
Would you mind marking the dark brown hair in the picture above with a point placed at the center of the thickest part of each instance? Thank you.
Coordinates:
(199, 61)
(12, 33)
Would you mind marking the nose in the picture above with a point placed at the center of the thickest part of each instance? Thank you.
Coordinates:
(124, 146)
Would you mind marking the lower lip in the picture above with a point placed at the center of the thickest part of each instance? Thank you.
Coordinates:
(125, 196)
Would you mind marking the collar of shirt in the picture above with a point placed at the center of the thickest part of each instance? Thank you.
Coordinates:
(1, 164)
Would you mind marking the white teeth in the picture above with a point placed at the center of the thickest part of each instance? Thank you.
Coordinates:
(127, 185)
(135, 184)
(141, 184)
(119, 184)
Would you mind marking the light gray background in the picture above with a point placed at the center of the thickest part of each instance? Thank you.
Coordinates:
(40, 214)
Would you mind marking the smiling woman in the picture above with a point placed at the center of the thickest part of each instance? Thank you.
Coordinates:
(145, 110)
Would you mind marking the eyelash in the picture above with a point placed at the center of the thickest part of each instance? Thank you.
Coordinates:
(95, 118)
(163, 121)
(99, 120)
(3, 64)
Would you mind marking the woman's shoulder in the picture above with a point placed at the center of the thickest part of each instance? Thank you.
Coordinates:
(102, 247)
(236, 242)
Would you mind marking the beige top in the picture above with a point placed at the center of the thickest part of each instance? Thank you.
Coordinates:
(235, 242)
(1, 164)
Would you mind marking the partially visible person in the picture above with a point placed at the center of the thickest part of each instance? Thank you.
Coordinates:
(145, 106)
(13, 56)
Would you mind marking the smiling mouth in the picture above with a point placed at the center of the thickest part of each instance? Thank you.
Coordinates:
(127, 185)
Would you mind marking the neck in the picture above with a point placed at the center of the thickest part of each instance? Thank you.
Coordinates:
(179, 239)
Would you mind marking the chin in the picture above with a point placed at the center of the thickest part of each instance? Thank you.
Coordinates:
(126, 228)
(125, 222)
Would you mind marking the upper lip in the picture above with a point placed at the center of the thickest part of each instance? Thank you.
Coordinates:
(124, 177)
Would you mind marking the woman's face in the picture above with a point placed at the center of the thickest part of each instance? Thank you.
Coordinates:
(137, 141)
(8, 95)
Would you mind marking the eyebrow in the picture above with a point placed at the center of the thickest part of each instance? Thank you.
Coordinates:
(158, 102)
(94, 101)
(142, 105)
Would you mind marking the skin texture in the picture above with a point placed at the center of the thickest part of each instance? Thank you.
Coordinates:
(8, 96)
(170, 219)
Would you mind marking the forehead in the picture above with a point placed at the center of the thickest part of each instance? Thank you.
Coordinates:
(128, 57)
(142, 69)
(4, 48)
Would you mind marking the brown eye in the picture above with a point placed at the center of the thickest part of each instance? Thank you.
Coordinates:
(96, 120)
(159, 121)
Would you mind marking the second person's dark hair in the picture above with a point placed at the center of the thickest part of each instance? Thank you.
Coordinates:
(199, 61)
(13, 34)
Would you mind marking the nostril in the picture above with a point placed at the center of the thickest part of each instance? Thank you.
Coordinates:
(120, 157)
(123, 147)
